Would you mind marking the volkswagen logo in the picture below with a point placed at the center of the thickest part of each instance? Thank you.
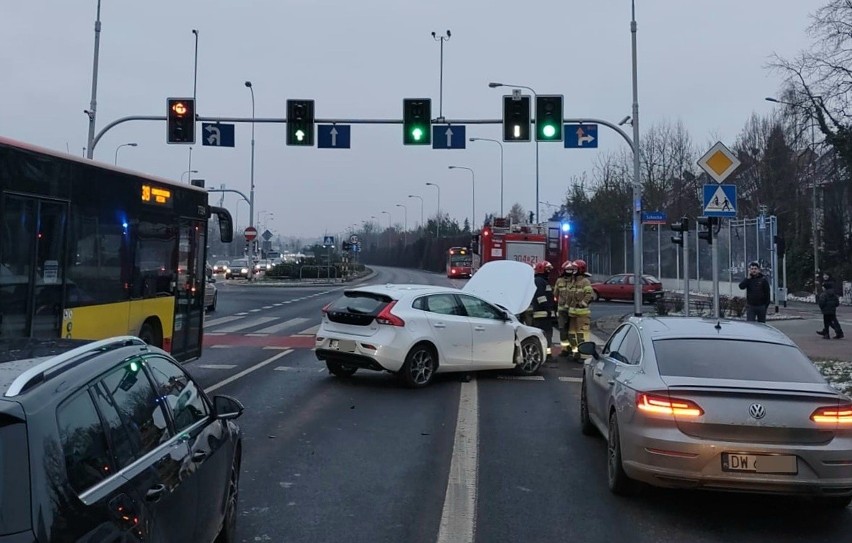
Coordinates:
(757, 411)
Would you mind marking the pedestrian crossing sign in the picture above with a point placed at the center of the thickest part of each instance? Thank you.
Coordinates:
(720, 200)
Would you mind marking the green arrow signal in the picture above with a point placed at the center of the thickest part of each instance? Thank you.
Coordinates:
(300, 135)
(417, 133)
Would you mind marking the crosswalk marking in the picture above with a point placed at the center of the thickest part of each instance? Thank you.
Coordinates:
(275, 328)
(248, 323)
(221, 346)
(312, 331)
(221, 320)
(571, 379)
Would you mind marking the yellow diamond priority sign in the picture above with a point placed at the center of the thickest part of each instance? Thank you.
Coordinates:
(719, 162)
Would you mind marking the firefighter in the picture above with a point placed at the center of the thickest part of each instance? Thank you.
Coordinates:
(563, 318)
(579, 295)
(543, 304)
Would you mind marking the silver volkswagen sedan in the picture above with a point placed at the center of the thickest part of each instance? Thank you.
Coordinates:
(720, 405)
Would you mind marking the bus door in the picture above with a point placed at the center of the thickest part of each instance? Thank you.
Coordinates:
(189, 290)
(32, 266)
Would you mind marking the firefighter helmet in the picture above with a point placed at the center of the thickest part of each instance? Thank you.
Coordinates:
(568, 266)
(581, 266)
(543, 267)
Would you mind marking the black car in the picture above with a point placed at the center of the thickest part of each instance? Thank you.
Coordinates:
(112, 441)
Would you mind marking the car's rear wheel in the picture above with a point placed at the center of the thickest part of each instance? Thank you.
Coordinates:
(532, 356)
(619, 482)
(597, 296)
(340, 369)
(419, 366)
(212, 307)
(586, 425)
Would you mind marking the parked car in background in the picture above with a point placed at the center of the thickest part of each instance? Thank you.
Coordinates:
(113, 441)
(620, 287)
(416, 331)
(717, 405)
(211, 294)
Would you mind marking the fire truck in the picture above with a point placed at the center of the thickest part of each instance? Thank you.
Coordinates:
(528, 243)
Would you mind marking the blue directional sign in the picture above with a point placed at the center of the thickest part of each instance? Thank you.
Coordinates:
(328, 240)
(217, 135)
(333, 136)
(654, 217)
(720, 200)
(446, 136)
(581, 136)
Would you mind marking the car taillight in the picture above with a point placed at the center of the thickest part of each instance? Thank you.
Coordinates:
(386, 317)
(833, 415)
(664, 405)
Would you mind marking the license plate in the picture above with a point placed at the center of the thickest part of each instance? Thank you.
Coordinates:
(760, 463)
(345, 345)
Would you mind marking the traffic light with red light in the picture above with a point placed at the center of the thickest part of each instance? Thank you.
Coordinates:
(180, 120)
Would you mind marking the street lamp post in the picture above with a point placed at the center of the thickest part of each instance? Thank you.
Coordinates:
(535, 96)
(186, 172)
(438, 227)
(93, 105)
(389, 228)
(404, 224)
(637, 188)
(194, 85)
(251, 191)
(501, 168)
(815, 229)
(421, 207)
(473, 187)
(120, 146)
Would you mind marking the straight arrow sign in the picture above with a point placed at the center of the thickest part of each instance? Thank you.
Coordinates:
(333, 136)
(446, 136)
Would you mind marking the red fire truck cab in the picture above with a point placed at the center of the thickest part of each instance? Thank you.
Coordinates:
(528, 243)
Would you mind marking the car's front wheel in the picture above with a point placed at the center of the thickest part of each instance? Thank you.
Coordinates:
(339, 369)
(419, 366)
(532, 356)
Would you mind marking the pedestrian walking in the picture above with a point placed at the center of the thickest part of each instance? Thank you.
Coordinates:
(828, 301)
(757, 293)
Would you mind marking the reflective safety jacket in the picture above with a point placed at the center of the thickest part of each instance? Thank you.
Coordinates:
(543, 306)
(575, 295)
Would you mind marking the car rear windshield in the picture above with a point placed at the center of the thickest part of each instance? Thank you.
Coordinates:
(14, 477)
(734, 359)
(360, 303)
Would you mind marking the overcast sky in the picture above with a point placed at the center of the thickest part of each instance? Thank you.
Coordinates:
(699, 62)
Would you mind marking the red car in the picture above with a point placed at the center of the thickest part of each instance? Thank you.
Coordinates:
(620, 287)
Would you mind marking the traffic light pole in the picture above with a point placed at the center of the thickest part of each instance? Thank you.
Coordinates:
(686, 272)
(714, 251)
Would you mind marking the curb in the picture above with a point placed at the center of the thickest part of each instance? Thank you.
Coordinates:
(281, 284)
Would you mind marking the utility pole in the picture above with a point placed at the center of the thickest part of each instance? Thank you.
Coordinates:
(442, 39)
(93, 104)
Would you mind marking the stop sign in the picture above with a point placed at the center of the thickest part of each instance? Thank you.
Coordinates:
(250, 233)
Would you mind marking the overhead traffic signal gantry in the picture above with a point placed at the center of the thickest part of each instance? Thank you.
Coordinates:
(516, 118)
(417, 121)
(180, 120)
(548, 117)
(300, 122)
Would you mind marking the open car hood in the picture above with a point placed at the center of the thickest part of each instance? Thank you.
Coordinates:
(504, 282)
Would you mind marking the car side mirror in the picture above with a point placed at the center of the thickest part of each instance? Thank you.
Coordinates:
(227, 408)
(589, 348)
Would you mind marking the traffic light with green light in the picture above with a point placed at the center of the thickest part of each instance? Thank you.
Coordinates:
(516, 118)
(417, 121)
(300, 122)
(180, 120)
(548, 117)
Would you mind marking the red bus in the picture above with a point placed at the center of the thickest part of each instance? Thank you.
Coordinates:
(459, 262)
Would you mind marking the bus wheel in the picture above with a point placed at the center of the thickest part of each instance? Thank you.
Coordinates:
(150, 336)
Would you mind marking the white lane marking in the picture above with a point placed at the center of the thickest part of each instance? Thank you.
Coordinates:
(276, 305)
(222, 320)
(218, 366)
(274, 348)
(247, 324)
(571, 379)
(245, 372)
(275, 328)
(288, 301)
(312, 331)
(220, 346)
(458, 519)
(254, 310)
(256, 335)
(521, 377)
(241, 314)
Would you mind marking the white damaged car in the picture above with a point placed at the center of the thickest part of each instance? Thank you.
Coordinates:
(416, 331)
